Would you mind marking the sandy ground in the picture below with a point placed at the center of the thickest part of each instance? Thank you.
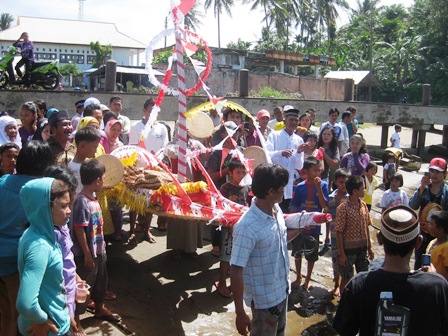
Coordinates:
(158, 295)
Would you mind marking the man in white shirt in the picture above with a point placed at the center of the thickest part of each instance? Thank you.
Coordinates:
(157, 136)
(116, 105)
(278, 117)
(286, 148)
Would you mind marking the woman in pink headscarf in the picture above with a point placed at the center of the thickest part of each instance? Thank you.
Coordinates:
(113, 130)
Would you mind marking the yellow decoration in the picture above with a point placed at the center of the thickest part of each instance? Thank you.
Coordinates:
(129, 161)
(207, 106)
(189, 187)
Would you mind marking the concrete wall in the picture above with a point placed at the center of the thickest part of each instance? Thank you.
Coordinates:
(418, 117)
(223, 81)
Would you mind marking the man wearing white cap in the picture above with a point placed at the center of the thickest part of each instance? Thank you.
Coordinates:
(286, 148)
(432, 191)
(422, 294)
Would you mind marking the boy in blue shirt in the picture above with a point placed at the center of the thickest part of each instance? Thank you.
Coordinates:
(310, 195)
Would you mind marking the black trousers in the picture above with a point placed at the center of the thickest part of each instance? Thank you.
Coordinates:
(27, 63)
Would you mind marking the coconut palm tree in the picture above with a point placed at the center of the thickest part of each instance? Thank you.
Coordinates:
(192, 18)
(5, 21)
(218, 7)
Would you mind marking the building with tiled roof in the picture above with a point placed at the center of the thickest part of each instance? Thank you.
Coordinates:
(69, 40)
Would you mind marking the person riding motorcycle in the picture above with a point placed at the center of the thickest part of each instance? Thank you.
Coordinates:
(27, 51)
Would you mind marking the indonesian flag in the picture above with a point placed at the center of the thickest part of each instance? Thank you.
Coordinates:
(186, 5)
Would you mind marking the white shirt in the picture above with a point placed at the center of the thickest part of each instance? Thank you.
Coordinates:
(279, 141)
(75, 168)
(345, 142)
(126, 124)
(156, 139)
(272, 123)
(396, 136)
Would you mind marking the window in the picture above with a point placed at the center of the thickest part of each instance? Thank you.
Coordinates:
(45, 56)
(69, 58)
(90, 59)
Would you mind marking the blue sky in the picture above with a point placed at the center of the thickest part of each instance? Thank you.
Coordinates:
(144, 19)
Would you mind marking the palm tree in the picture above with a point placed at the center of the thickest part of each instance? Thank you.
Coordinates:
(328, 13)
(192, 18)
(363, 7)
(5, 21)
(218, 7)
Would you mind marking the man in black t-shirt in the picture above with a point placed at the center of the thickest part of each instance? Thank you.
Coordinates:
(423, 292)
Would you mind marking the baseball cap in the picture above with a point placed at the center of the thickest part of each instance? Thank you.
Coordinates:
(399, 224)
(263, 113)
(438, 164)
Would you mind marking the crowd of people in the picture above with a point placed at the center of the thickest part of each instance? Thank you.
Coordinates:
(58, 220)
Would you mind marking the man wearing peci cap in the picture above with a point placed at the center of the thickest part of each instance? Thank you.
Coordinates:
(286, 148)
(79, 105)
(62, 150)
(423, 292)
(432, 189)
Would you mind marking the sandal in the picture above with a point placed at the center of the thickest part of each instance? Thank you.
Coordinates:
(150, 239)
(132, 240)
(109, 316)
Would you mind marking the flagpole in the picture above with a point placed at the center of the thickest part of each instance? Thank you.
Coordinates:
(182, 104)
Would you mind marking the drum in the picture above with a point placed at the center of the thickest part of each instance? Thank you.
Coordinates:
(114, 170)
(256, 154)
(199, 125)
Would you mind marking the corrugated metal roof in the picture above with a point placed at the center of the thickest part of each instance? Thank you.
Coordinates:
(61, 31)
(358, 76)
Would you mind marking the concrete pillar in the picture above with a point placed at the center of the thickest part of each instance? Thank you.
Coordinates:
(445, 136)
(421, 142)
(282, 67)
(384, 136)
(111, 75)
(426, 94)
(244, 83)
(414, 138)
(349, 89)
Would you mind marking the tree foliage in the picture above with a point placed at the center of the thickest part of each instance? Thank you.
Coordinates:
(5, 21)
(102, 53)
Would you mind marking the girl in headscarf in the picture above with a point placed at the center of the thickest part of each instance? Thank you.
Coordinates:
(43, 130)
(111, 140)
(9, 131)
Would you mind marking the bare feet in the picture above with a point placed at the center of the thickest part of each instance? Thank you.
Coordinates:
(223, 290)
(306, 284)
(296, 284)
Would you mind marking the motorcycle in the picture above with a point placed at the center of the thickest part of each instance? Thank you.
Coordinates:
(43, 73)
